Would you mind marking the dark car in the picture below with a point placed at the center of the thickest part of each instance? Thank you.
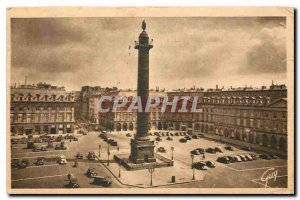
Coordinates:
(201, 150)
(158, 138)
(79, 156)
(200, 165)
(243, 158)
(114, 143)
(183, 140)
(169, 138)
(171, 134)
(231, 159)
(210, 150)
(218, 149)
(210, 164)
(187, 137)
(273, 156)
(194, 137)
(167, 134)
(162, 134)
(73, 183)
(24, 163)
(91, 155)
(229, 148)
(91, 172)
(265, 156)
(43, 148)
(223, 160)
(15, 163)
(248, 157)
(195, 152)
(176, 134)
(75, 139)
(162, 150)
(110, 141)
(40, 161)
(104, 181)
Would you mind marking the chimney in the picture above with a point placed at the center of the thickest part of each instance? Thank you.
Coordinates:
(25, 80)
(216, 86)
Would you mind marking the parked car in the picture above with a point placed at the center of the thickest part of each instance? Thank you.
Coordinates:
(243, 158)
(91, 172)
(162, 150)
(194, 137)
(158, 139)
(187, 137)
(254, 156)
(91, 155)
(75, 139)
(210, 164)
(104, 181)
(169, 138)
(201, 150)
(62, 160)
(195, 152)
(200, 165)
(114, 143)
(14, 163)
(40, 161)
(73, 183)
(44, 148)
(183, 140)
(176, 134)
(248, 157)
(218, 149)
(210, 150)
(229, 148)
(265, 156)
(24, 163)
(273, 156)
(79, 156)
(167, 134)
(171, 134)
(236, 158)
(224, 160)
(162, 134)
(231, 159)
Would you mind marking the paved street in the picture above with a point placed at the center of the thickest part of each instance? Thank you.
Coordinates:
(52, 175)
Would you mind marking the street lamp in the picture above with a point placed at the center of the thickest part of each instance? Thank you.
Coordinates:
(108, 153)
(172, 149)
(192, 156)
(119, 169)
(99, 150)
(151, 169)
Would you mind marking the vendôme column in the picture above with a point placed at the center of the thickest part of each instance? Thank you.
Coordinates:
(142, 149)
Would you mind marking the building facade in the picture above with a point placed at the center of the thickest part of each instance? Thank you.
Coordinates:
(42, 108)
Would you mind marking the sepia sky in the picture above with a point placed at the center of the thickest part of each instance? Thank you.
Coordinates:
(73, 52)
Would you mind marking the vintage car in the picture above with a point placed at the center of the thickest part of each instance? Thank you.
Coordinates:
(91, 172)
(183, 140)
(40, 161)
(229, 148)
(200, 165)
(62, 160)
(73, 183)
(210, 164)
(91, 155)
(79, 156)
(104, 181)
(224, 160)
(162, 150)
(15, 163)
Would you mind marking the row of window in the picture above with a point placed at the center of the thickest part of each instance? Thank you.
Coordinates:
(60, 117)
(58, 108)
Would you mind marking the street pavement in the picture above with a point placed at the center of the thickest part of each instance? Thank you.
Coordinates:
(52, 175)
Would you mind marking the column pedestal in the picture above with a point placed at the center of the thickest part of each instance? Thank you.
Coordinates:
(142, 151)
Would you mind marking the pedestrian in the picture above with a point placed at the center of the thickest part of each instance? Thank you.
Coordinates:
(70, 140)
(203, 156)
(69, 176)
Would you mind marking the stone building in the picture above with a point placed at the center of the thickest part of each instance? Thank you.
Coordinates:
(41, 108)
(124, 120)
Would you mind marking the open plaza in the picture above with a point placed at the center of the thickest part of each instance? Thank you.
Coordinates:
(53, 175)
